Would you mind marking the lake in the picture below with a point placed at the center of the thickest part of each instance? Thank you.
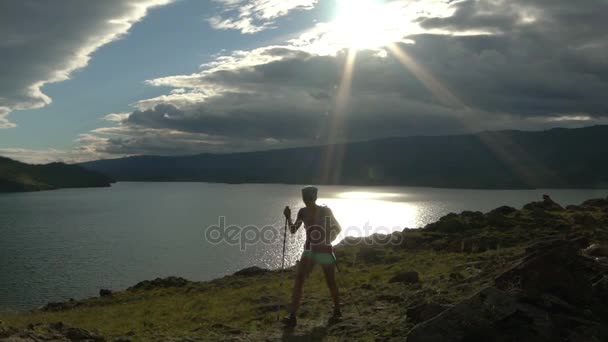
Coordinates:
(69, 243)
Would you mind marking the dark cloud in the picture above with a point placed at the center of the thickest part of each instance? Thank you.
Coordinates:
(521, 64)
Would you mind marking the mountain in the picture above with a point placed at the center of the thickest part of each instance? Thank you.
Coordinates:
(556, 158)
(16, 176)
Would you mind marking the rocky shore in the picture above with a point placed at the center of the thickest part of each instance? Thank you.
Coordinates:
(539, 273)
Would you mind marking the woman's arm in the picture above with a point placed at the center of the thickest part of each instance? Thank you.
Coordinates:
(293, 226)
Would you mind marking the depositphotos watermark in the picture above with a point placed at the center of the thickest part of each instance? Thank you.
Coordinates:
(272, 234)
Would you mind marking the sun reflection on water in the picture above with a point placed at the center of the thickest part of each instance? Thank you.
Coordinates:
(366, 213)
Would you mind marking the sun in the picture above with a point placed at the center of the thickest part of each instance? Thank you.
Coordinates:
(365, 24)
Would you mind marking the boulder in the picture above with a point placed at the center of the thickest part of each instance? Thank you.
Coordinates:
(390, 298)
(160, 283)
(467, 319)
(425, 311)
(414, 240)
(7, 331)
(502, 211)
(77, 334)
(371, 255)
(552, 294)
(456, 277)
(596, 250)
(408, 277)
(52, 332)
(58, 306)
(599, 203)
(105, 293)
(450, 223)
(555, 268)
(251, 271)
(585, 219)
(547, 204)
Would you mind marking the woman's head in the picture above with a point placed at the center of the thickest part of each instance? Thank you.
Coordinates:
(309, 195)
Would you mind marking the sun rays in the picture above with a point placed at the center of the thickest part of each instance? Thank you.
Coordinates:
(372, 34)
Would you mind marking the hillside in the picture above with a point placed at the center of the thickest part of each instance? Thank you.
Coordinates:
(16, 176)
(557, 158)
(506, 275)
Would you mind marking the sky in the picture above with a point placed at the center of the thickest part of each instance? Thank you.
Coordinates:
(85, 80)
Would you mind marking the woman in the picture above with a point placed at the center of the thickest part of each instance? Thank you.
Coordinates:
(321, 228)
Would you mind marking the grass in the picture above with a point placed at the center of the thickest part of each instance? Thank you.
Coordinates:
(234, 305)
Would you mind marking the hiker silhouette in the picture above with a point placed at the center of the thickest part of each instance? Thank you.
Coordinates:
(321, 229)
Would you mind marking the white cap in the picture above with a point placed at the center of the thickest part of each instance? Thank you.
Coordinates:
(310, 192)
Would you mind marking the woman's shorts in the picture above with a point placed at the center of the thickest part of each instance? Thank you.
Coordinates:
(321, 258)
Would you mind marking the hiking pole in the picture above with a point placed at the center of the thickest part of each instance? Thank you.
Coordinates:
(284, 239)
(282, 264)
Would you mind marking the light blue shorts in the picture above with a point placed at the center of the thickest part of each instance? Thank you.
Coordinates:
(321, 258)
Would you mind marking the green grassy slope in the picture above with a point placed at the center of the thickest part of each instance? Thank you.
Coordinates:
(16, 176)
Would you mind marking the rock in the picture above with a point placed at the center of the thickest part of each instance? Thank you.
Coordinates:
(53, 332)
(367, 287)
(56, 326)
(51, 307)
(547, 204)
(466, 319)
(251, 271)
(266, 308)
(160, 283)
(575, 208)
(424, 312)
(456, 277)
(473, 219)
(267, 299)
(409, 277)
(371, 255)
(502, 211)
(554, 268)
(450, 223)
(7, 331)
(413, 241)
(585, 219)
(596, 250)
(552, 294)
(390, 298)
(105, 293)
(599, 203)
(77, 334)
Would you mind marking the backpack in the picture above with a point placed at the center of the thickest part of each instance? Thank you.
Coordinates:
(334, 226)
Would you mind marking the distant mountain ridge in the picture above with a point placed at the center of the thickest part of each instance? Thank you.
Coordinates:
(17, 177)
(556, 158)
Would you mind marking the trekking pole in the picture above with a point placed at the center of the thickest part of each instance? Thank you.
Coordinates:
(282, 265)
(284, 239)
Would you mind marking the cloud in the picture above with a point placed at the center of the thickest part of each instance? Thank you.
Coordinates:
(4, 123)
(45, 41)
(34, 156)
(531, 65)
(251, 16)
(116, 117)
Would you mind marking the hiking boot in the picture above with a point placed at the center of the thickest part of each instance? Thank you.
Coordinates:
(290, 321)
(336, 317)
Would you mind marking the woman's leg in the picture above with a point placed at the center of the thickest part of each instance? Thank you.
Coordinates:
(304, 267)
(330, 279)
